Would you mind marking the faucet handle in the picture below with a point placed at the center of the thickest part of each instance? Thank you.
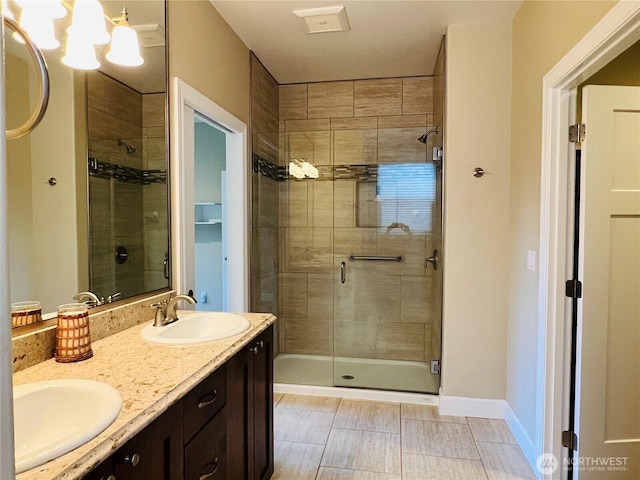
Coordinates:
(161, 303)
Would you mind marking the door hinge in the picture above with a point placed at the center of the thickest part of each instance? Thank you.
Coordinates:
(570, 440)
(573, 289)
(435, 367)
(577, 133)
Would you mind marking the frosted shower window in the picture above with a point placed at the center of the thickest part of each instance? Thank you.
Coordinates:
(405, 195)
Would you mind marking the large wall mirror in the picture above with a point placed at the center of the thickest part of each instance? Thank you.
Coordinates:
(88, 196)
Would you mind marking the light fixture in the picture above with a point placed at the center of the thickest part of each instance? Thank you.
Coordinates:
(88, 28)
(54, 8)
(39, 25)
(295, 170)
(125, 49)
(79, 53)
(301, 169)
(309, 170)
(6, 12)
(88, 22)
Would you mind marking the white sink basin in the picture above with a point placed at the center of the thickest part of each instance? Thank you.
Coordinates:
(197, 327)
(52, 418)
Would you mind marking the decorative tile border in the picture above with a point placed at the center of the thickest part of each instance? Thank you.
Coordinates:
(108, 171)
(361, 173)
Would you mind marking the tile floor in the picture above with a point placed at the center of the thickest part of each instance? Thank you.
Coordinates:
(323, 438)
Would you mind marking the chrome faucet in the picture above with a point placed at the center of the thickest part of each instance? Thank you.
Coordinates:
(88, 298)
(166, 310)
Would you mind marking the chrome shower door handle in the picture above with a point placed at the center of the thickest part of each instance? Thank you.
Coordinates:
(343, 272)
(433, 260)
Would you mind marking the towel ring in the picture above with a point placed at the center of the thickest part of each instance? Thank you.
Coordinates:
(43, 85)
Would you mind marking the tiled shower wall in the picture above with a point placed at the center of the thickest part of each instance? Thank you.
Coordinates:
(265, 223)
(123, 203)
(384, 310)
(155, 195)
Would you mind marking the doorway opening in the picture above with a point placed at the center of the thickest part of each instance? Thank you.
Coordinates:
(209, 206)
(618, 30)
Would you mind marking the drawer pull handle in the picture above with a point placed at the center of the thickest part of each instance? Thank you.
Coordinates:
(214, 464)
(132, 460)
(208, 399)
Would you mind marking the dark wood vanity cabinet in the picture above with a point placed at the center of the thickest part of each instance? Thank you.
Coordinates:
(155, 452)
(221, 429)
(250, 415)
(205, 428)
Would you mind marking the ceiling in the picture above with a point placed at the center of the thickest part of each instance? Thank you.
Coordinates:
(388, 38)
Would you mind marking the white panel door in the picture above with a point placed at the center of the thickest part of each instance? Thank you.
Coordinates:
(609, 357)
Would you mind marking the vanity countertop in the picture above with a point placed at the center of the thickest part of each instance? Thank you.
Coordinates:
(150, 378)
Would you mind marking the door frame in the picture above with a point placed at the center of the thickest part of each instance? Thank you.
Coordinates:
(617, 31)
(182, 226)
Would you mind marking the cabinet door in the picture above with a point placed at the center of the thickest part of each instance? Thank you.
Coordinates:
(205, 457)
(156, 452)
(239, 415)
(104, 471)
(263, 405)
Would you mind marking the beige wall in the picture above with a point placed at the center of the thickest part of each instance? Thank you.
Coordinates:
(45, 221)
(477, 134)
(542, 34)
(208, 55)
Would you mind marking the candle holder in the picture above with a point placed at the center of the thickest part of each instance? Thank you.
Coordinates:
(25, 313)
(73, 339)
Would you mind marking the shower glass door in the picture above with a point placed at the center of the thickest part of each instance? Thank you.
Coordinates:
(386, 290)
(359, 299)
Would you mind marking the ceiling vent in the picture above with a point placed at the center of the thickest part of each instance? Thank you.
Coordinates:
(150, 35)
(324, 19)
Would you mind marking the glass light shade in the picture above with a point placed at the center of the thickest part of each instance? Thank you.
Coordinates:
(125, 49)
(88, 22)
(38, 26)
(6, 11)
(79, 53)
(309, 170)
(296, 171)
(53, 8)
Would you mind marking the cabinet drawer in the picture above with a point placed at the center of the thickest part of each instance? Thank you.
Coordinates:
(204, 401)
(205, 457)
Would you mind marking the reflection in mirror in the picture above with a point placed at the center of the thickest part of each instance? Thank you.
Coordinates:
(88, 203)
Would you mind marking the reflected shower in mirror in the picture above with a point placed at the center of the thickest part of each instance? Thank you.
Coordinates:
(88, 198)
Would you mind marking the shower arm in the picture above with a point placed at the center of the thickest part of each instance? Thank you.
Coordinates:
(424, 137)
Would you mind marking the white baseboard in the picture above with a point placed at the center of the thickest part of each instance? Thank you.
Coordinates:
(489, 408)
(524, 441)
(472, 407)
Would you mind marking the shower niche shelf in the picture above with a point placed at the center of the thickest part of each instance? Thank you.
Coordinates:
(208, 213)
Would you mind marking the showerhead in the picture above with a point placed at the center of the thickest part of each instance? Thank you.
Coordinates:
(130, 148)
(424, 137)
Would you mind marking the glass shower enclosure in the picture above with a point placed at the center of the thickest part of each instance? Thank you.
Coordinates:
(359, 286)
(347, 231)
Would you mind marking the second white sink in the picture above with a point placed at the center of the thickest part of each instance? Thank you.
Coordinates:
(197, 327)
(53, 417)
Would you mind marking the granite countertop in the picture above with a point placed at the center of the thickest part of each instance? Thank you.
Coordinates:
(150, 378)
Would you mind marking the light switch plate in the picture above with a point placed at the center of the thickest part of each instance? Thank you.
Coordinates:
(531, 260)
